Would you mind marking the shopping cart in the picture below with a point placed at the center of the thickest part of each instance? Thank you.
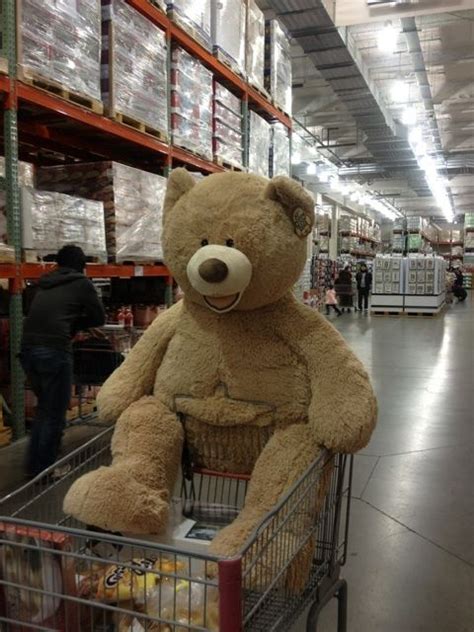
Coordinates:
(56, 574)
(345, 295)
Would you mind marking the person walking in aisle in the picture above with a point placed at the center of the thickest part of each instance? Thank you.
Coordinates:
(331, 300)
(364, 283)
(65, 302)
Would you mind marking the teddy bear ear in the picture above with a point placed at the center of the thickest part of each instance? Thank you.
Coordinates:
(180, 182)
(297, 203)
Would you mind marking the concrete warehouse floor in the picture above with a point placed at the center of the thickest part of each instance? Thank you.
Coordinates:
(410, 555)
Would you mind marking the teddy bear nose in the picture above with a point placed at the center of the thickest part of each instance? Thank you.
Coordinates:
(213, 270)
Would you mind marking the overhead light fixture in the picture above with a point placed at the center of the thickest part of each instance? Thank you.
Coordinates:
(400, 91)
(409, 116)
(311, 169)
(387, 38)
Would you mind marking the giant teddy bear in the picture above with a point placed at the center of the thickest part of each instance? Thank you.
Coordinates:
(254, 381)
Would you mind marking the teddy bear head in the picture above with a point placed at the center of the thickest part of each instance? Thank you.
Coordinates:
(235, 241)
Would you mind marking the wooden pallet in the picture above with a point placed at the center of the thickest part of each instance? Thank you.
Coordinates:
(158, 5)
(190, 151)
(222, 162)
(426, 314)
(190, 30)
(3, 66)
(279, 107)
(378, 312)
(260, 90)
(224, 58)
(140, 126)
(49, 85)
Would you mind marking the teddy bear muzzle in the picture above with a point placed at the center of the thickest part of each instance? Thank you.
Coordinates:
(220, 274)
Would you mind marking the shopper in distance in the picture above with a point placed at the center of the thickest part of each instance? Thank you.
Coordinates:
(364, 283)
(65, 303)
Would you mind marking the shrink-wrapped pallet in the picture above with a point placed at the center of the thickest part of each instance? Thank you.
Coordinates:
(259, 144)
(128, 195)
(227, 127)
(193, 16)
(280, 151)
(191, 104)
(60, 41)
(255, 45)
(278, 75)
(134, 68)
(25, 178)
(228, 32)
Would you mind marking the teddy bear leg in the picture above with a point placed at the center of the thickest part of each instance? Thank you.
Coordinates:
(283, 460)
(132, 494)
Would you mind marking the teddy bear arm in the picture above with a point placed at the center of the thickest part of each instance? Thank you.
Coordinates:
(343, 408)
(136, 375)
(282, 462)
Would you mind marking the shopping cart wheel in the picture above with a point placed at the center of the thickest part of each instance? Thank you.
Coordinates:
(338, 590)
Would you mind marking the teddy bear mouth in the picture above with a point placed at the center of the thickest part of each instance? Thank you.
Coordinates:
(222, 303)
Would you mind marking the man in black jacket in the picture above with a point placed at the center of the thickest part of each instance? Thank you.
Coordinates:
(364, 283)
(65, 303)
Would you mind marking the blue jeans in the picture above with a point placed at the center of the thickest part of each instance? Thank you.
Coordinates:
(50, 374)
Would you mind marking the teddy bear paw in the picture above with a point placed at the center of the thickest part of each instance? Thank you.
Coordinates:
(111, 499)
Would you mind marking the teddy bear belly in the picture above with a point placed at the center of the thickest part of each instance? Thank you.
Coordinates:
(225, 448)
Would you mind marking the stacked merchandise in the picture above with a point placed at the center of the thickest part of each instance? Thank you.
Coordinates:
(278, 76)
(469, 238)
(228, 32)
(25, 179)
(255, 46)
(304, 282)
(259, 144)
(134, 73)
(191, 104)
(51, 220)
(227, 127)
(132, 202)
(60, 42)
(388, 275)
(324, 271)
(425, 275)
(348, 224)
(193, 16)
(280, 151)
(322, 230)
(398, 242)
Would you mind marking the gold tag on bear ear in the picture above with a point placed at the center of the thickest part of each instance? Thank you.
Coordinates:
(301, 222)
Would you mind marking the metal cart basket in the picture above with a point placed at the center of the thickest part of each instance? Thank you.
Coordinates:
(56, 574)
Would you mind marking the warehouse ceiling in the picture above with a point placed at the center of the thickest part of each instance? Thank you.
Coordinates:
(352, 90)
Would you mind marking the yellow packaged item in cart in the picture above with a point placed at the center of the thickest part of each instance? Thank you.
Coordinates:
(133, 579)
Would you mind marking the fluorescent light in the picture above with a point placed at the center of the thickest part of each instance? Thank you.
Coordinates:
(409, 116)
(400, 91)
(387, 38)
(311, 169)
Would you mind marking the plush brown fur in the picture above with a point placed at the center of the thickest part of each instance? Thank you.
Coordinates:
(258, 389)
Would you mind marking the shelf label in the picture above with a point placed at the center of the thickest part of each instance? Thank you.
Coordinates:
(138, 271)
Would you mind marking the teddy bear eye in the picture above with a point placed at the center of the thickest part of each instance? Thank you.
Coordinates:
(229, 243)
(204, 242)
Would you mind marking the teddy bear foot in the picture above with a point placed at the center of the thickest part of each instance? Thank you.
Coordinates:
(111, 499)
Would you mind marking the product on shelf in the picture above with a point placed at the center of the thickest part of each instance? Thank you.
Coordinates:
(132, 200)
(469, 220)
(278, 77)
(388, 275)
(228, 31)
(134, 73)
(191, 104)
(51, 220)
(194, 16)
(259, 144)
(60, 42)
(255, 45)
(348, 224)
(25, 178)
(280, 150)
(227, 126)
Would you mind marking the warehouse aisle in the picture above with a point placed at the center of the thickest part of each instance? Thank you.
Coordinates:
(411, 543)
